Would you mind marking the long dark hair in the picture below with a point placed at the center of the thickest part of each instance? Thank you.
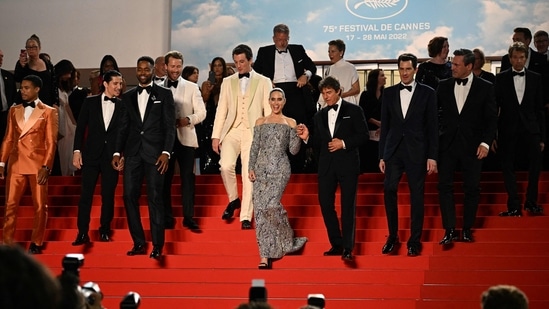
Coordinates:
(372, 80)
(104, 60)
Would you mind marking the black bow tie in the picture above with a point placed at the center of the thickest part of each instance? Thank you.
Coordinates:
(113, 99)
(282, 51)
(159, 78)
(515, 73)
(334, 107)
(172, 83)
(461, 81)
(402, 86)
(140, 89)
(244, 75)
(27, 104)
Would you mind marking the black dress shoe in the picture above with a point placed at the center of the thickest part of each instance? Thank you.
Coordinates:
(104, 237)
(467, 235)
(246, 225)
(156, 252)
(137, 250)
(334, 251)
(229, 211)
(35, 249)
(390, 245)
(511, 213)
(413, 251)
(81, 239)
(347, 255)
(190, 223)
(449, 236)
(532, 208)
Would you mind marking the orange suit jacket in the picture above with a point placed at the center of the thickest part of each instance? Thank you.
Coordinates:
(30, 145)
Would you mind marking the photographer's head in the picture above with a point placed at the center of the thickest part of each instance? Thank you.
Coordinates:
(25, 283)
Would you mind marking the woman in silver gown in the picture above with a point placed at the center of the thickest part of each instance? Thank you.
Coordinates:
(269, 170)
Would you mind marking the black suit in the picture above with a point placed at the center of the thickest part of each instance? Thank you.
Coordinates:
(461, 135)
(299, 101)
(521, 129)
(341, 166)
(142, 142)
(10, 92)
(96, 158)
(405, 145)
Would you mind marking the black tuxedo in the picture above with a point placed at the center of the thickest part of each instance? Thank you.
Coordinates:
(461, 135)
(299, 101)
(10, 92)
(142, 142)
(521, 129)
(405, 145)
(96, 153)
(341, 166)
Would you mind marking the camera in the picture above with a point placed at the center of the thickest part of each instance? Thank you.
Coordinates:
(130, 301)
(88, 289)
(258, 292)
(316, 300)
(72, 262)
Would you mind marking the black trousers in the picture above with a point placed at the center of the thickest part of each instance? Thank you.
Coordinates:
(185, 157)
(343, 236)
(135, 169)
(527, 147)
(394, 168)
(109, 179)
(450, 161)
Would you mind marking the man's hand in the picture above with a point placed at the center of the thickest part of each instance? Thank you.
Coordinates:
(482, 152)
(117, 163)
(215, 145)
(335, 145)
(302, 81)
(251, 175)
(1, 172)
(182, 122)
(431, 166)
(302, 131)
(43, 175)
(542, 146)
(382, 166)
(162, 162)
(77, 160)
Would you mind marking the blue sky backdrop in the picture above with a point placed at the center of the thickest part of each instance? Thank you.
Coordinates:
(202, 29)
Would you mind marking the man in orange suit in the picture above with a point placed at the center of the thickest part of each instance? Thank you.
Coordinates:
(29, 149)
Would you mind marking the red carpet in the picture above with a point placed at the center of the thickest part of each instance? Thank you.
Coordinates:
(214, 269)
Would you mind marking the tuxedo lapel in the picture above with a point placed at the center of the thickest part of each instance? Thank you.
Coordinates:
(99, 111)
(36, 113)
(20, 116)
(135, 106)
(114, 115)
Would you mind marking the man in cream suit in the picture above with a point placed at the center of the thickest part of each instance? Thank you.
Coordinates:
(29, 149)
(244, 97)
(189, 111)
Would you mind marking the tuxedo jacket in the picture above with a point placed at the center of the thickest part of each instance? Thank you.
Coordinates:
(477, 122)
(9, 87)
(418, 130)
(529, 112)
(99, 140)
(188, 103)
(350, 127)
(538, 62)
(265, 60)
(30, 145)
(256, 98)
(149, 137)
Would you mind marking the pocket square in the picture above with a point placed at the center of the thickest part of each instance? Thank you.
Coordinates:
(300, 60)
(157, 102)
(346, 117)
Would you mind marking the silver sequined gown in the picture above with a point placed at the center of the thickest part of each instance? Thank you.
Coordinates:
(269, 160)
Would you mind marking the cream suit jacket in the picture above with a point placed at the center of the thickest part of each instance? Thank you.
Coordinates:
(258, 103)
(188, 103)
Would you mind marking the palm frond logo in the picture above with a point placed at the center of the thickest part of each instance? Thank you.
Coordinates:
(375, 4)
(375, 9)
